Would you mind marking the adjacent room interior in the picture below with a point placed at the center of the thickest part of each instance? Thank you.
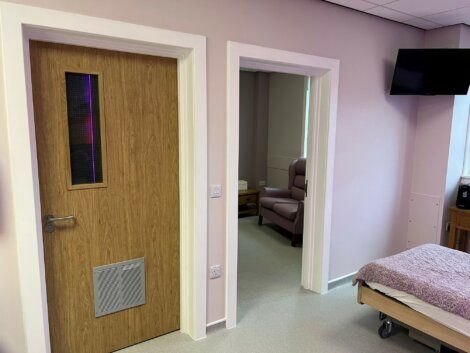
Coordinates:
(273, 125)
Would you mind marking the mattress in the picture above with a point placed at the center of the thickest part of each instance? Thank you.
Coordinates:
(432, 273)
(453, 321)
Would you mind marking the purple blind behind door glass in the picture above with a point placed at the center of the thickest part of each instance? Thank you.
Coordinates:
(83, 113)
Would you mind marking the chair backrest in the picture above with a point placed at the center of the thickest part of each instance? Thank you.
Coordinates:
(297, 178)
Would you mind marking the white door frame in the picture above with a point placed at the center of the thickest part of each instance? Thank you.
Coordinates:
(20, 23)
(324, 97)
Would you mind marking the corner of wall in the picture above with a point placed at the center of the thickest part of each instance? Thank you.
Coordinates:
(12, 337)
(440, 137)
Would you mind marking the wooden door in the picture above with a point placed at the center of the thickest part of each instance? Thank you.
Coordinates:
(124, 194)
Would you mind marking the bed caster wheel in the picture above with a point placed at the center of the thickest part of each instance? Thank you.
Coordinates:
(382, 316)
(386, 329)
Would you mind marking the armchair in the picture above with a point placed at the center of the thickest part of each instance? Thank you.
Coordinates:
(285, 207)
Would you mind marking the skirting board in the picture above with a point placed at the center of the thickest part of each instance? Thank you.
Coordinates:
(215, 322)
(341, 280)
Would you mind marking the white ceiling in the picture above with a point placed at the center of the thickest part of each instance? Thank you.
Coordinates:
(425, 14)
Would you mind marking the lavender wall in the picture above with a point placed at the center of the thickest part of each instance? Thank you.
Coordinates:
(440, 136)
(375, 131)
(12, 337)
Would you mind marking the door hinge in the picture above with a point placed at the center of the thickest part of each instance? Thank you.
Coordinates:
(306, 187)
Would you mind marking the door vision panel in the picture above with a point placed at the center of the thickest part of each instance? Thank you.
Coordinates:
(107, 147)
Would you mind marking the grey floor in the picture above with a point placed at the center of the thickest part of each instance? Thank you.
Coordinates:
(275, 315)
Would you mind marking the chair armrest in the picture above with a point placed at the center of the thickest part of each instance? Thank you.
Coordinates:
(299, 219)
(275, 192)
(300, 210)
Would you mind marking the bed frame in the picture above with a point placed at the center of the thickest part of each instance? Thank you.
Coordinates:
(399, 311)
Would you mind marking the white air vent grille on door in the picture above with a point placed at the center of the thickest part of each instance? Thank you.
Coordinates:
(119, 286)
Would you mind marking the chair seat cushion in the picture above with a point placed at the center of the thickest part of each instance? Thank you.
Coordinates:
(269, 202)
(287, 210)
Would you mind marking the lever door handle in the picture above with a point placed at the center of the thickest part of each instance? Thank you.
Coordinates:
(49, 221)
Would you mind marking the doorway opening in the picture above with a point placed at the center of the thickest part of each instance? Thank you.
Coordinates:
(318, 167)
(273, 146)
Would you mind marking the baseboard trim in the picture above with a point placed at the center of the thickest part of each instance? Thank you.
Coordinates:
(215, 322)
(341, 280)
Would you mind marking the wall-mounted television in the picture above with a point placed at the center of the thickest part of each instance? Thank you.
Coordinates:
(431, 72)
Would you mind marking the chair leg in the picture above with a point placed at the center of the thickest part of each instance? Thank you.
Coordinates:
(260, 220)
(294, 240)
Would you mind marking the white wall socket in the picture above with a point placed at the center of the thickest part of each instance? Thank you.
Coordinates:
(215, 271)
(216, 190)
(262, 183)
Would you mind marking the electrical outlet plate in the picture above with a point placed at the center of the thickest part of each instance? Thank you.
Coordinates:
(215, 271)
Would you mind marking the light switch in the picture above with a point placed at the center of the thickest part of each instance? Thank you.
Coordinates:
(216, 190)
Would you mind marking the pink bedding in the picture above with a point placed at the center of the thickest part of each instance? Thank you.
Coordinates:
(437, 275)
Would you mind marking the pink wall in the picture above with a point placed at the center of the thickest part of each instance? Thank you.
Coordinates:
(375, 131)
(11, 322)
(440, 134)
(446, 37)
(432, 144)
(465, 37)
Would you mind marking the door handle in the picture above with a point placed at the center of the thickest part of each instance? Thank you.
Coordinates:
(49, 221)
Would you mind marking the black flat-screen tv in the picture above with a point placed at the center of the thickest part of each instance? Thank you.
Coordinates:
(431, 72)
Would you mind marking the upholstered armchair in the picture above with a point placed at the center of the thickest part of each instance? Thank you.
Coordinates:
(285, 207)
